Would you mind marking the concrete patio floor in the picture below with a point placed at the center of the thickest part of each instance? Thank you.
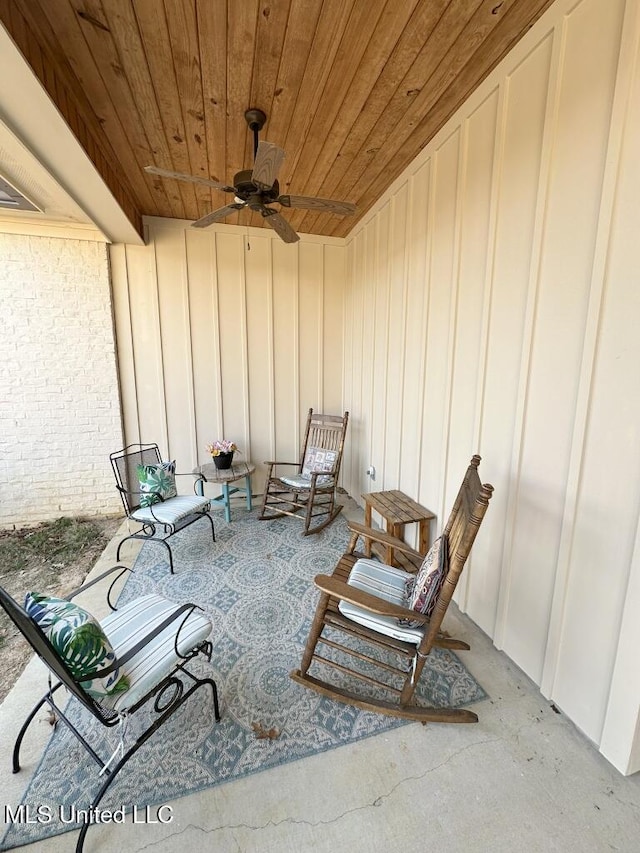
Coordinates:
(523, 778)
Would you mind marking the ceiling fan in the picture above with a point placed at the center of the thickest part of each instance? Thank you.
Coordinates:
(258, 187)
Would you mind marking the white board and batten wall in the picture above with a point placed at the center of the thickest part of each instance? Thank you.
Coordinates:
(227, 333)
(492, 307)
(488, 303)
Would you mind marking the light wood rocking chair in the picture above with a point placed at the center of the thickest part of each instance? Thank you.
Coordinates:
(309, 493)
(347, 609)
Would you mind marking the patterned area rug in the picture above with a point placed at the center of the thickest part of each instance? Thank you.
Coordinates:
(256, 584)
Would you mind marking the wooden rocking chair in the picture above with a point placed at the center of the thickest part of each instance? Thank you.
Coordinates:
(349, 608)
(309, 493)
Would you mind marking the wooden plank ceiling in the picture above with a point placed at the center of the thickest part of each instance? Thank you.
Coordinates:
(353, 89)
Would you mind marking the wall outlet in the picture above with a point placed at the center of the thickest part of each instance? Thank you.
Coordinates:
(371, 472)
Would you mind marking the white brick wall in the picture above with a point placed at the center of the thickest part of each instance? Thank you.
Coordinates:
(59, 400)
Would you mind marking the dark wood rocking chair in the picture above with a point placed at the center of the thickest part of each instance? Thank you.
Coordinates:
(309, 492)
(348, 610)
(153, 640)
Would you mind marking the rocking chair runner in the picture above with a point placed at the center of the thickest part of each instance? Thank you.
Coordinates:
(153, 509)
(152, 640)
(310, 492)
(349, 608)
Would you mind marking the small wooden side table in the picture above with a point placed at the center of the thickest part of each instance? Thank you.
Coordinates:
(398, 509)
(224, 476)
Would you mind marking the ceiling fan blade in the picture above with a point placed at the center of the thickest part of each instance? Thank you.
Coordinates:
(267, 164)
(217, 215)
(279, 225)
(193, 179)
(328, 205)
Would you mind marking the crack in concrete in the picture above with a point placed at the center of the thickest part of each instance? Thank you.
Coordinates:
(271, 824)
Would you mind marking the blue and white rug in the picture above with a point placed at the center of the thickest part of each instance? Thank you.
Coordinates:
(256, 584)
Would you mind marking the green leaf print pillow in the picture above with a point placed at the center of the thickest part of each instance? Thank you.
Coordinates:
(157, 480)
(80, 642)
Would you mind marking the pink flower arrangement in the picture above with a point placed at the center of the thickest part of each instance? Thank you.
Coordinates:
(224, 446)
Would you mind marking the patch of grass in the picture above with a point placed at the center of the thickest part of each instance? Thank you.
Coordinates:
(56, 543)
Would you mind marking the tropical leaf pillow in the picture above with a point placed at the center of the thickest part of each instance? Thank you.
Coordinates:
(79, 640)
(157, 480)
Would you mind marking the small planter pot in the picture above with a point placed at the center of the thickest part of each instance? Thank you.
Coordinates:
(223, 460)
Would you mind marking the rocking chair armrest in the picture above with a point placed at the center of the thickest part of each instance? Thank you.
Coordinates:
(345, 592)
(383, 538)
(282, 463)
(120, 569)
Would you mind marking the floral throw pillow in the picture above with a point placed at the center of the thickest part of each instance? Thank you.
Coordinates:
(79, 640)
(157, 480)
(317, 459)
(430, 577)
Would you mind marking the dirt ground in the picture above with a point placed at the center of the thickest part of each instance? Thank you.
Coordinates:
(52, 570)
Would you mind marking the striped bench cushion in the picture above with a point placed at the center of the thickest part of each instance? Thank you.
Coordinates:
(173, 510)
(126, 626)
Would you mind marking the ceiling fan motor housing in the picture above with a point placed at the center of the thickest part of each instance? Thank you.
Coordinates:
(245, 188)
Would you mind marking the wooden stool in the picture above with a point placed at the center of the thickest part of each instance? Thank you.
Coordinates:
(398, 509)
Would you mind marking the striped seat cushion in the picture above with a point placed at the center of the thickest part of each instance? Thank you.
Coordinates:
(173, 510)
(392, 585)
(128, 625)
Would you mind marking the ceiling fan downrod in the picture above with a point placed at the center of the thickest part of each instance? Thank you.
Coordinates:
(255, 119)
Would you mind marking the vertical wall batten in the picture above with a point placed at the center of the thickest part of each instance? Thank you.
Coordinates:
(380, 325)
(404, 341)
(475, 242)
(189, 353)
(272, 360)
(244, 335)
(162, 402)
(458, 217)
(428, 285)
(215, 330)
(124, 340)
(320, 342)
(549, 132)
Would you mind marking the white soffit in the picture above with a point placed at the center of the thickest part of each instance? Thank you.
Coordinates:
(43, 161)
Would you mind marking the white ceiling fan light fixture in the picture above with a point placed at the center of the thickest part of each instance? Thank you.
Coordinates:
(257, 188)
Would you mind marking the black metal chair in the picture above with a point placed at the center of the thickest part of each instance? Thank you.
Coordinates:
(162, 513)
(153, 640)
